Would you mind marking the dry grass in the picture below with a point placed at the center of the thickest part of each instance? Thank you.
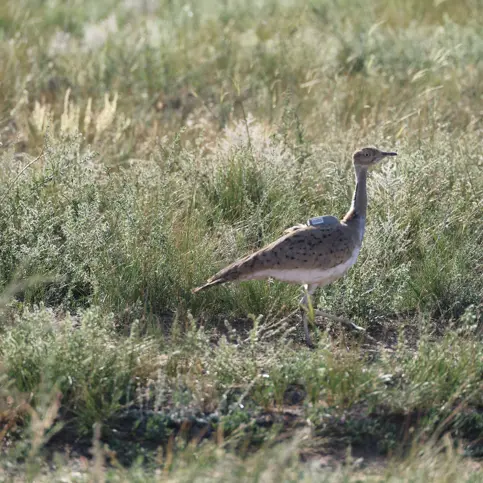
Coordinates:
(146, 144)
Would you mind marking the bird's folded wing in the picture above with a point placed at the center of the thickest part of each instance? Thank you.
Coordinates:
(294, 228)
(322, 247)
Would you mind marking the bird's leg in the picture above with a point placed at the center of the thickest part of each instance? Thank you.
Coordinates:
(308, 311)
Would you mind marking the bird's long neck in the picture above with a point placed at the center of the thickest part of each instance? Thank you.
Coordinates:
(356, 216)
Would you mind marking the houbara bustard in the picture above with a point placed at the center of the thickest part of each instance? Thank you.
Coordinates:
(314, 254)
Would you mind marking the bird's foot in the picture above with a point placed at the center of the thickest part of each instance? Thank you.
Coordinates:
(310, 344)
(345, 322)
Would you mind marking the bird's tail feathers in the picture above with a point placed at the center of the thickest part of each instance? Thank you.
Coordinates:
(209, 284)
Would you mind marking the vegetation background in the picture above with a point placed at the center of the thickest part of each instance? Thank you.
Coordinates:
(147, 143)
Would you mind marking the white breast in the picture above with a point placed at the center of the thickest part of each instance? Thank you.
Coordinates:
(314, 275)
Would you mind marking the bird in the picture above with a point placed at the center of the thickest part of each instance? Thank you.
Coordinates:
(314, 254)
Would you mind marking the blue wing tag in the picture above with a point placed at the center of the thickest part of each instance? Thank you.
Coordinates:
(322, 220)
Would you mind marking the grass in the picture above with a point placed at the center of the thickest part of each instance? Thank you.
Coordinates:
(147, 144)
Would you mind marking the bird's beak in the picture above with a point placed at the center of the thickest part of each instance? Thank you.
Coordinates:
(383, 155)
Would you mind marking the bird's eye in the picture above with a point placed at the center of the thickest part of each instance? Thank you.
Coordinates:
(366, 154)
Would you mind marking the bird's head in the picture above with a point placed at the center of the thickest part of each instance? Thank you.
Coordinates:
(367, 157)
